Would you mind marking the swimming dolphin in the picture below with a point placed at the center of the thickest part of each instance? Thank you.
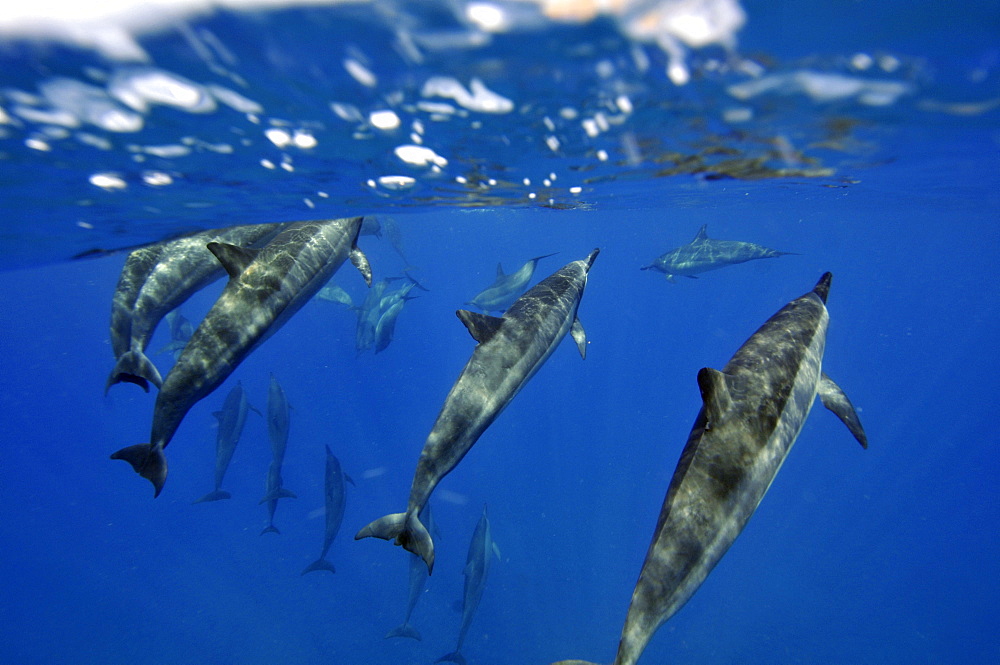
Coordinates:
(418, 581)
(703, 254)
(231, 417)
(278, 423)
(510, 350)
(505, 289)
(334, 293)
(753, 410)
(477, 569)
(335, 500)
(180, 332)
(155, 281)
(266, 287)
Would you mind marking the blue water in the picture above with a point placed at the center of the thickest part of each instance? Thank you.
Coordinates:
(879, 556)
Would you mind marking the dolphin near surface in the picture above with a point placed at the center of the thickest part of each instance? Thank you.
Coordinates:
(510, 350)
(477, 569)
(505, 289)
(279, 421)
(231, 417)
(752, 413)
(335, 499)
(703, 254)
(266, 287)
(418, 581)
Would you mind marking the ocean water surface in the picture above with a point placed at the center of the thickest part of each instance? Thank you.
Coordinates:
(863, 140)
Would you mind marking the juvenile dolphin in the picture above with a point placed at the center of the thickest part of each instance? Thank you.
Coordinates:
(155, 281)
(477, 569)
(418, 581)
(703, 254)
(266, 287)
(335, 500)
(278, 423)
(180, 332)
(753, 410)
(231, 417)
(510, 350)
(505, 289)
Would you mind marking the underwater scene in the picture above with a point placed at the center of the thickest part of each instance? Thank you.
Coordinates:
(481, 331)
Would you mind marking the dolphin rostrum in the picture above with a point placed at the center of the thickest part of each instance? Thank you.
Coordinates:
(418, 581)
(231, 419)
(703, 254)
(510, 350)
(477, 569)
(266, 287)
(335, 500)
(278, 423)
(753, 410)
(505, 289)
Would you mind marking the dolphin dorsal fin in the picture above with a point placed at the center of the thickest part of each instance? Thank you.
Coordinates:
(834, 399)
(482, 327)
(702, 234)
(714, 394)
(233, 258)
(500, 272)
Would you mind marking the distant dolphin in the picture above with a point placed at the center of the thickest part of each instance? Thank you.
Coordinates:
(391, 306)
(231, 417)
(334, 500)
(180, 332)
(703, 254)
(418, 581)
(505, 289)
(753, 411)
(510, 350)
(334, 293)
(477, 569)
(278, 424)
(155, 281)
(266, 287)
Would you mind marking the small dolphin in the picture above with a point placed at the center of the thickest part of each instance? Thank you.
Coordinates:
(510, 350)
(180, 332)
(703, 254)
(231, 419)
(335, 500)
(375, 328)
(753, 411)
(266, 287)
(477, 569)
(334, 293)
(278, 423)
(505, 289)
(418, 581)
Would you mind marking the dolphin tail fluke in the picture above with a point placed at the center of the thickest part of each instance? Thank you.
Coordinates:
(319, 564)
(407, 530)
(405, 630)
(280, 493)
(217, 495)
(453, 657)
(148, 461)
(270, 528)
(134, 367)
(574, 662)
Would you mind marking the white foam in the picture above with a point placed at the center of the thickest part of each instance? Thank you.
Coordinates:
(140, 87)
(476, 98)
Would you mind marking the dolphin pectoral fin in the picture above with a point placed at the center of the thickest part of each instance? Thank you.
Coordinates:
(360, 262)
(453, 657)
(579, 336)
(217, 495)
(148, 461)
(691, 276)
(233, 258)
(714, 394)
(408, 532)
(319, 564)
(482, 327)
(405, 630)
(834, 399)
(134, 367)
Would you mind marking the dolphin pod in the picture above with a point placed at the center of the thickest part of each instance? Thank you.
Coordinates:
(752, 413)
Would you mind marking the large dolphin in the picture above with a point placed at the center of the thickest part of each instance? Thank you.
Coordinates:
(335, 498)
(266, 287)
(753, 410)
(505, 289)
(278, 423)
(703, 254)
(155, 281)
(510, 350)
(477, 569)
(418, 581)
(231, 417)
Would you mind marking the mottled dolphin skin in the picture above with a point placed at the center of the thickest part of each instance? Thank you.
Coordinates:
(703, 254)
(505, 289)
(753, 410)
(510, 350)
(335, 498)
(279, 421)
(231, 417)
(418, 581)
(477, 569)
(155, 281)
(266, 287)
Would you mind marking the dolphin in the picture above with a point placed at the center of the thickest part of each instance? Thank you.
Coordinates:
(335, 499)
(505, 289)
(231, 420)
(179, 268)
(278, 423)
(180, 332)
(703, 254)
(368, 315)
(753, 410)
(510, 350)
(418, 581)
(477, 569)
(334, 293)
(266, 287)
